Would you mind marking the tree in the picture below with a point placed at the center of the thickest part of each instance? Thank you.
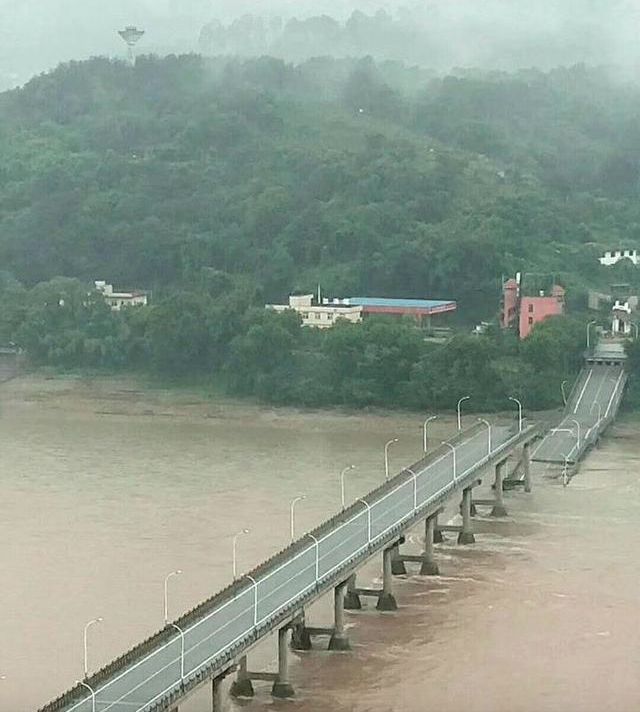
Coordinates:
(179, 334)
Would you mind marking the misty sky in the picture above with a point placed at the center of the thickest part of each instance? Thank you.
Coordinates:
(37, 34)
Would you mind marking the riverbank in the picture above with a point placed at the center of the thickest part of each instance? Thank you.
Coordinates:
(132, 396)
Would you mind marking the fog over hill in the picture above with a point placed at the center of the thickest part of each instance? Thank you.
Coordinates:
(38, 34)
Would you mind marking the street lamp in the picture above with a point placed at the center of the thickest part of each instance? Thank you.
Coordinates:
(92, 691)
(573, 420)
(488, 424)
(386, 457)
(453, 450)
(166, 593)
(424, 432)
(235, 544)
(342, 474)
(460, 402)
(515, 400)
(179, 629)
(86, 653)
(565, 478)
(564, 395)
(589, 325)
(293, 515)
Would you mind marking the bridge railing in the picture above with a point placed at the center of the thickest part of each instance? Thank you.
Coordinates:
(214, 632)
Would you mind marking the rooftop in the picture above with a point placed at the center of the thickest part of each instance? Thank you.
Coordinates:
(401, 303)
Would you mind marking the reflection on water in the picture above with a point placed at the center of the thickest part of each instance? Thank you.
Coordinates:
(101, 500)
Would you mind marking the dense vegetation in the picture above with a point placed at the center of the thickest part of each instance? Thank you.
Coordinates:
(219, 185)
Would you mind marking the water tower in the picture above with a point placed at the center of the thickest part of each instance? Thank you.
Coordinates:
(131, 35)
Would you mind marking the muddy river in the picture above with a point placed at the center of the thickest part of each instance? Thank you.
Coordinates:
(106, 489)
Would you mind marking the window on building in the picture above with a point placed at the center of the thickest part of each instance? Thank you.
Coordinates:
(317, 315)
(530, 320)
(530, 308)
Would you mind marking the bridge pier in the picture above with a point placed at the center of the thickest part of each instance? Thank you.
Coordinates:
(352, 600)
(499, 510)
(339, 639)
(282, 688)
(300, 634)
(429, 566)
(397, 561)
(386, 599)
(217, 694)
(466, 534)
(242, 685)
(438, 536)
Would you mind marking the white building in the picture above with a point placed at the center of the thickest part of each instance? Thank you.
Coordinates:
(621, 321)
(612, 257)
(117, 300)
(319, 316)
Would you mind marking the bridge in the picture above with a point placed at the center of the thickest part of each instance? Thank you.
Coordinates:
(213, 640)
(591, 407)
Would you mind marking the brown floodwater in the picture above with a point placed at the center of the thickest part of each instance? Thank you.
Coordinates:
(105, 490)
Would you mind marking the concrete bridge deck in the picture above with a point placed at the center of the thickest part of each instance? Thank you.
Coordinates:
(593, 405)
(214, 638)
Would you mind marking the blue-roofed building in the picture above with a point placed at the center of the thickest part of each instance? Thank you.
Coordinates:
(325, 314)
(402, 307)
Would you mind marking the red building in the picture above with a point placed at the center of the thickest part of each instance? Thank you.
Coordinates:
(536, 309)
(523, 313)
(510, 299)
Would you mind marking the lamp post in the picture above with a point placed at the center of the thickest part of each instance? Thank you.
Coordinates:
(589, 325)
(573, 420)
(91, 690)
(179, 629)
(564, 395)
(424, 432)
(292, 511)
(235, 546)
(519, 403)
(453, 450)
(386, 457)
(86, 646)
(565, 478)
(488, 424)
(460, 402)
(342, 474)
(166, 593)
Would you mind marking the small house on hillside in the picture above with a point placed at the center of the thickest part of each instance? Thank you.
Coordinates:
(612, 257)
(118, 300)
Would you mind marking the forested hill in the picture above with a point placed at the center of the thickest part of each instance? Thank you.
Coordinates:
(369, 179)
(221, 184)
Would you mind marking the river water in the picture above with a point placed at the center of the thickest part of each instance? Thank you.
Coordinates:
(105, 490)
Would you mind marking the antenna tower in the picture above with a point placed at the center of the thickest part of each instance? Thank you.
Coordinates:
(131, 35)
